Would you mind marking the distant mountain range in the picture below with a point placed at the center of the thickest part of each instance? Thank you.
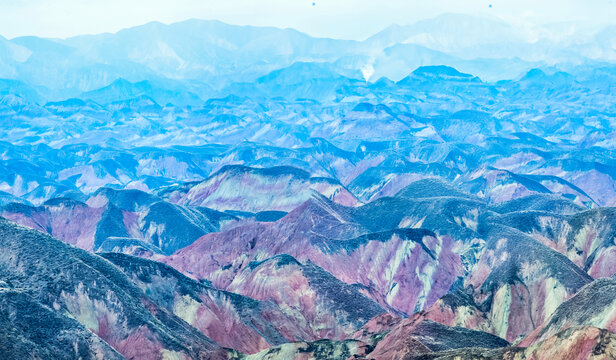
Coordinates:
(204, 56)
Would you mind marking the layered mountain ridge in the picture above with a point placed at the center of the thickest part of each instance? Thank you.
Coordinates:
(255, 193)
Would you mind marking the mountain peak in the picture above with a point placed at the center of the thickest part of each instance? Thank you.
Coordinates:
(534, 74)
(440, 70)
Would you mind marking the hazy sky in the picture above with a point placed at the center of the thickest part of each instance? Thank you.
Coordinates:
(352, 19)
